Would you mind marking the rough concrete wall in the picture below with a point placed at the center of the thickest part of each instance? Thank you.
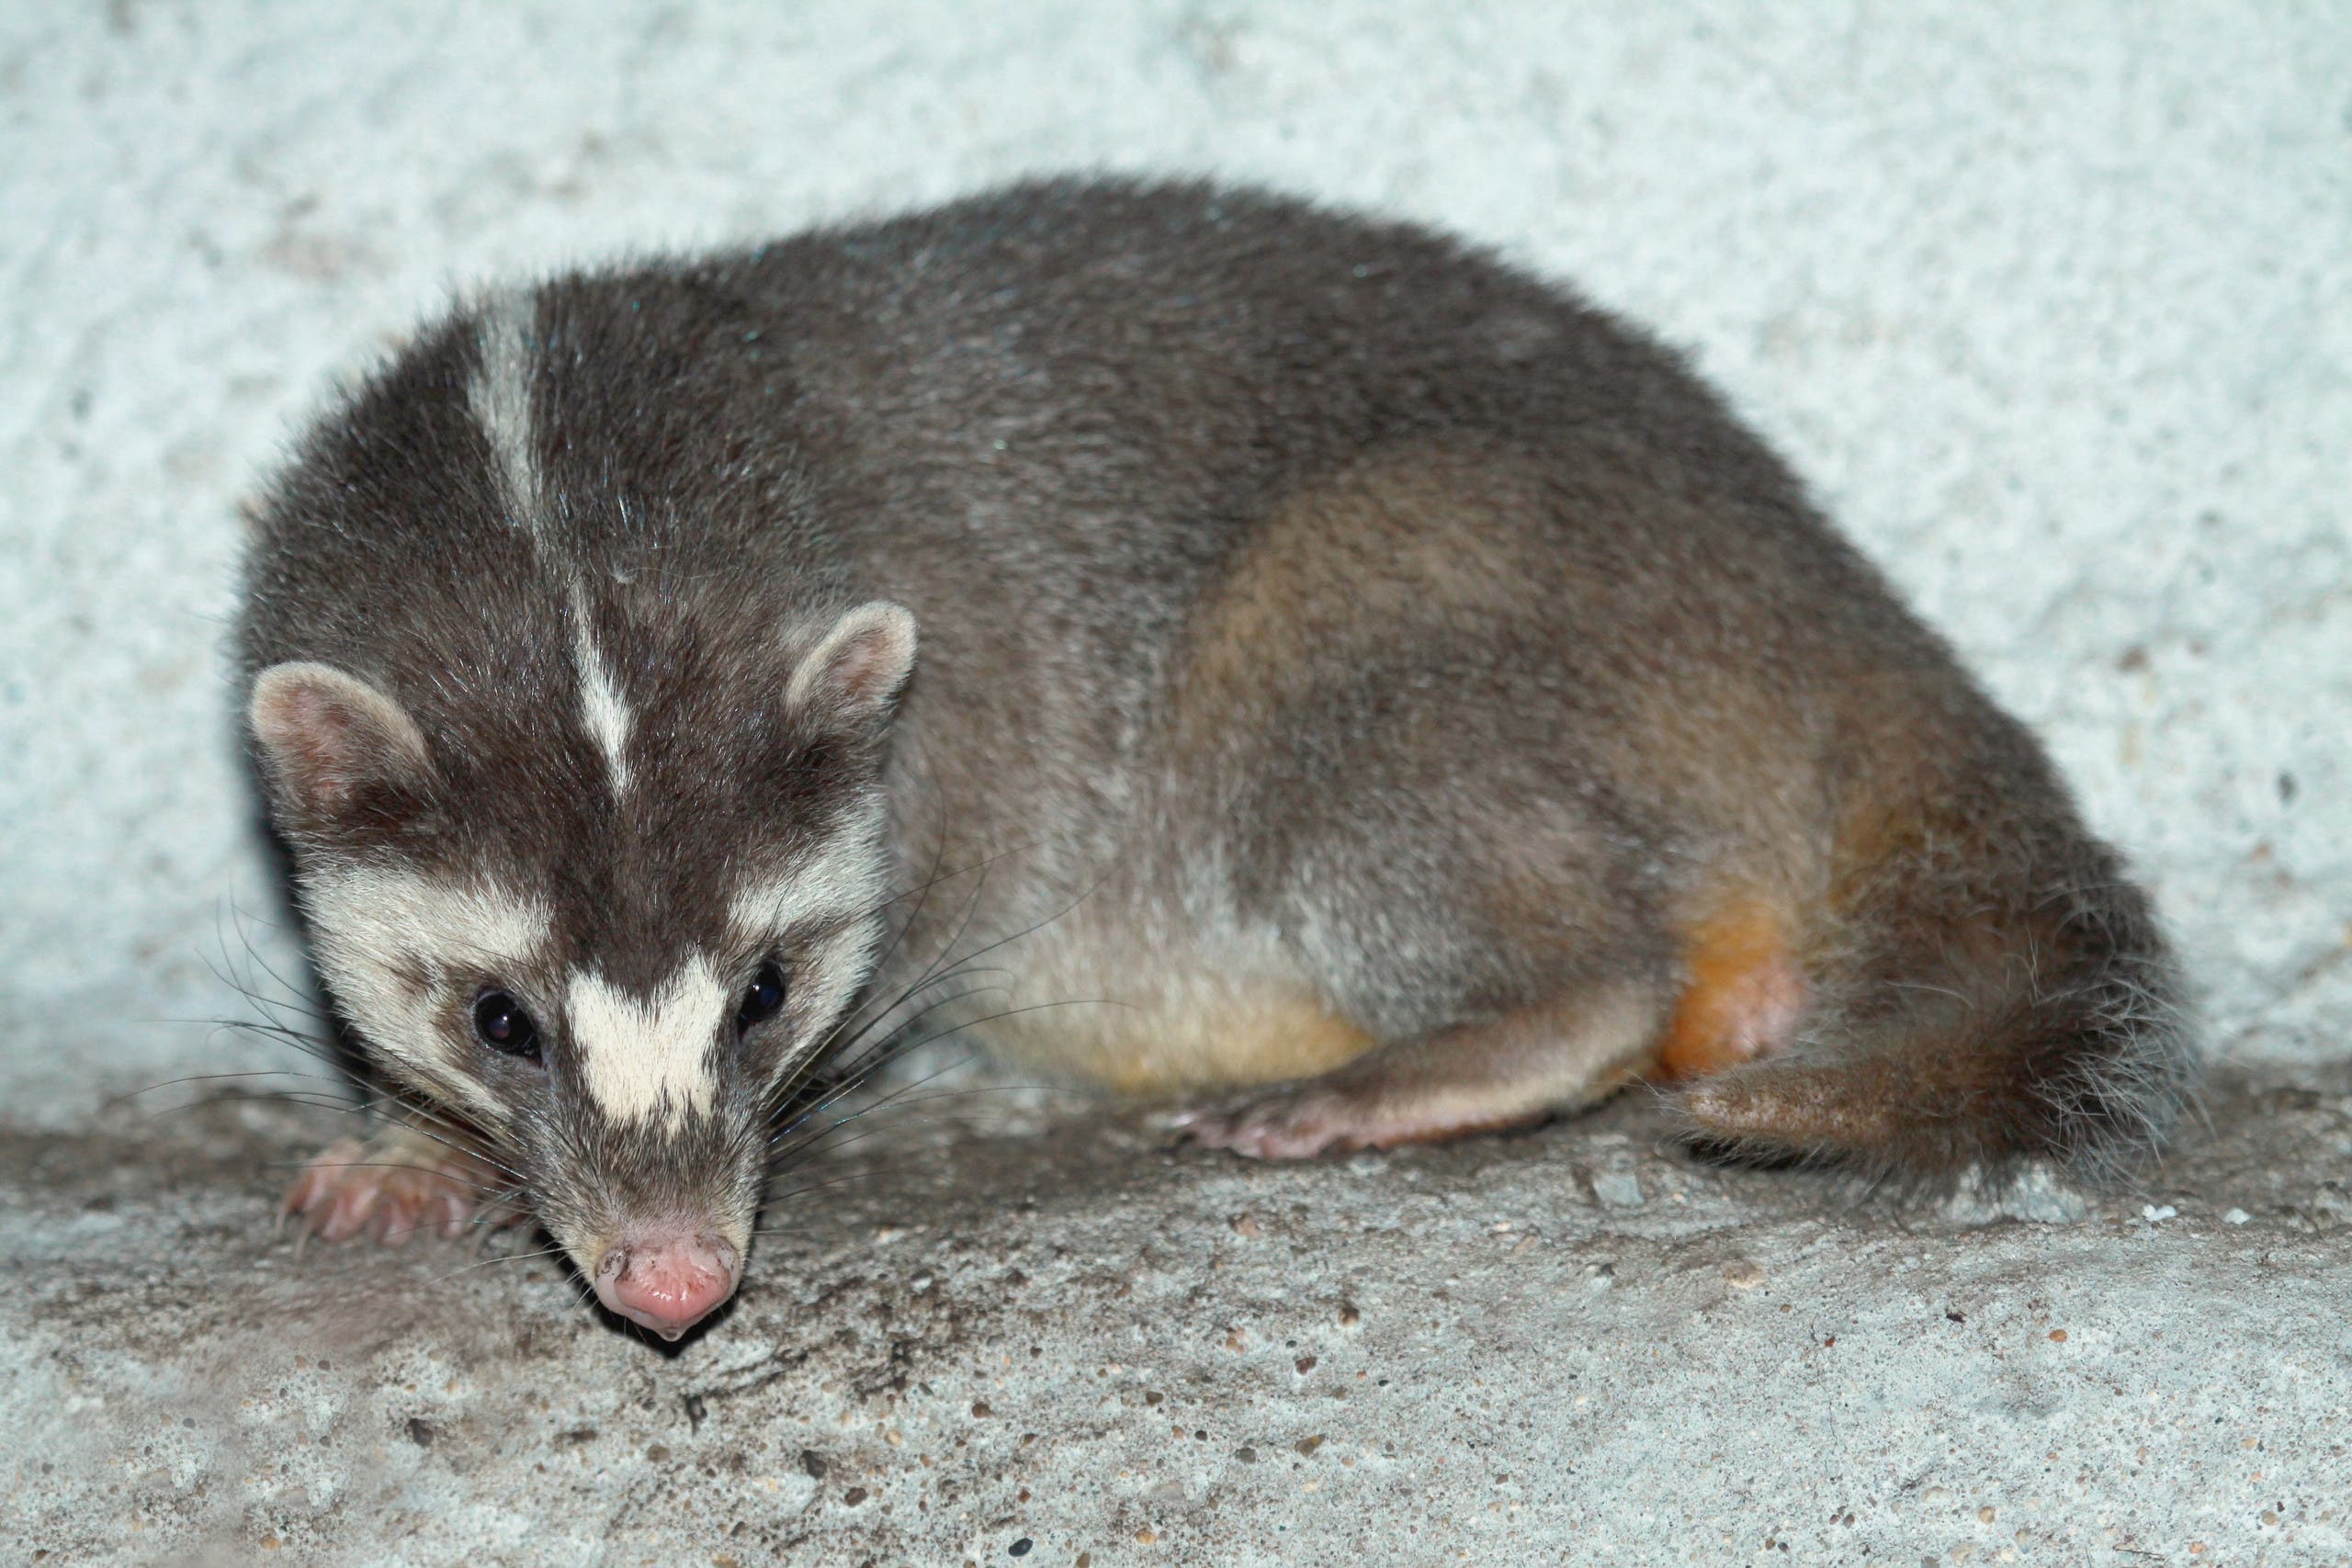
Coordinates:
(2049, 301)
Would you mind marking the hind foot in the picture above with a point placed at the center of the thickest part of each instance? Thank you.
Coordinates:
(1481, 1079)
(391, 1188)
(1318, 1116)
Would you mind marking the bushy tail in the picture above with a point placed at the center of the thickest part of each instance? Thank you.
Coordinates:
(1988, 991)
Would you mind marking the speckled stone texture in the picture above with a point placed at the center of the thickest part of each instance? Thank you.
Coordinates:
(2049, 301)
(1560, 1348)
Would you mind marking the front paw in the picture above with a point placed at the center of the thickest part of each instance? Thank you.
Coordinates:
(388, 1190)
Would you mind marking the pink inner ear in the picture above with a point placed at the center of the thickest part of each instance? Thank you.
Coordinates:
(868, 667)
(862, 661)
(329, 735)
(319, 740)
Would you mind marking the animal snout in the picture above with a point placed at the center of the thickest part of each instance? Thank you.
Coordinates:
(668, 1281)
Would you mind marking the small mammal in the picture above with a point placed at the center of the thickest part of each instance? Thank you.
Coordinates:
(1403, 689)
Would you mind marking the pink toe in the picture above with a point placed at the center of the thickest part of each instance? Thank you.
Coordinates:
(346, 1211)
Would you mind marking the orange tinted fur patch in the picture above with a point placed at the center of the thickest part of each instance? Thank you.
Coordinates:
(1745, 994)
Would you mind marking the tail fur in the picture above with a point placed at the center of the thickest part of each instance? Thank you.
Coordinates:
(1989, 990)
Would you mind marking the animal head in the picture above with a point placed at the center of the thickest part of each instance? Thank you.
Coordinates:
(602, 912)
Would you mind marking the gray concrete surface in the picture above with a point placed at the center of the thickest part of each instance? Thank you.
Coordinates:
(1042, 1326)
(2049, 300)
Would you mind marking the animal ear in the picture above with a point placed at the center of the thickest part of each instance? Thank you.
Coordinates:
(858, 666)
(333, 744)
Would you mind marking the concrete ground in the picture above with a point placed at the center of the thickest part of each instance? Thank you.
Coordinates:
(2047, 299)
(1044, 1335)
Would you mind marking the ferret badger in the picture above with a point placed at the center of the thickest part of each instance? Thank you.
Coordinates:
(1402, 694)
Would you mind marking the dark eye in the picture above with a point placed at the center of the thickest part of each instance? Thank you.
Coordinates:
(764, 999)
(500, 1024)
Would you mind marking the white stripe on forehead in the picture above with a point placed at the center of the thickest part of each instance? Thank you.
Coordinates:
(499, 393)
(372, 926)
(601, 706)
(643, 1060)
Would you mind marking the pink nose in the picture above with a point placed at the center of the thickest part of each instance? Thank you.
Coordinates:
(667, 1282)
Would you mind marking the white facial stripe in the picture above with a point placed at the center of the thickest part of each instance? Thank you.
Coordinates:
(823, 983)
(500, 396)
(372, 924)
(842, 882)
(641, 1061)
(601, 706)
(840, 879)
